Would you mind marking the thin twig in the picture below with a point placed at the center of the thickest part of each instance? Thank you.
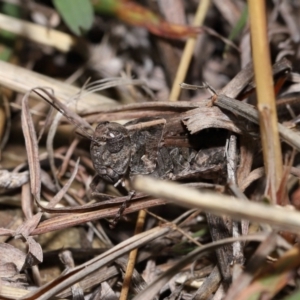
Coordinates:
(189, 237)
(132, 256)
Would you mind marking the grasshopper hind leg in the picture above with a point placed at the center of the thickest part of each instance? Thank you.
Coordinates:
(121, 186)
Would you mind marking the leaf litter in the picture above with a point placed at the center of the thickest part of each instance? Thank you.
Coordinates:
(240, 243)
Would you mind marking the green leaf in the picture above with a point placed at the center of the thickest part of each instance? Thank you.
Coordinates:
(77, 14)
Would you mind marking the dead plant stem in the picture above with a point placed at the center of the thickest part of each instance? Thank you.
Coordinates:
(132, 256)
(265, 92)
(279, 217)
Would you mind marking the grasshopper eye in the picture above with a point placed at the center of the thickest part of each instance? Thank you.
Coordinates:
(114, 141)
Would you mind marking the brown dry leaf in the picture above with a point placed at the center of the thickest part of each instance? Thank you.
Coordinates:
(35, 252)
(10, 254)
(212, 117)
(8, 270)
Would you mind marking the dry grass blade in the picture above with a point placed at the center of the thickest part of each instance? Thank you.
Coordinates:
(63, 110)
(27, 201)
(66, 111)
(78, 273)
(281, 218)
(188, 51)
(65, 188)
(32, 149)
(67, 158)
(264, 249)
(208, 147)
(118, 82)
(68, 220)
(21, 80)
(155, 286)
